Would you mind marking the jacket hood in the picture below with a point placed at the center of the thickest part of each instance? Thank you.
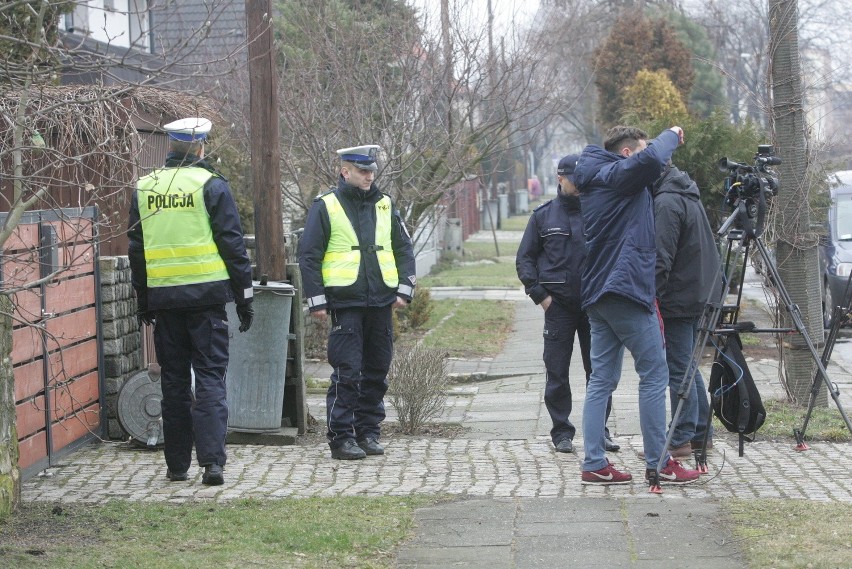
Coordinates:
(592, 160)
(676, 181)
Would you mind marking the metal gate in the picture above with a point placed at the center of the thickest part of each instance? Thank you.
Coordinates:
(57, 349)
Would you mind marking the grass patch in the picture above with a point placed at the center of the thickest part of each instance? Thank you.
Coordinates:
(782, 417)
(792, 533)
(478, 250)
(304, 533)
(750, 339)
(486, 274)
(469, 328)
(515, 222)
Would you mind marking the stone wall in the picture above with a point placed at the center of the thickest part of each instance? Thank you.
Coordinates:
(10, 477)
(121, 335)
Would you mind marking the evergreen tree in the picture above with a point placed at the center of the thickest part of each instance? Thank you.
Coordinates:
(636, 43)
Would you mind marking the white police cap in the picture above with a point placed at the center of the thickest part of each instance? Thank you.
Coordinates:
(364, 157)
(192, 129)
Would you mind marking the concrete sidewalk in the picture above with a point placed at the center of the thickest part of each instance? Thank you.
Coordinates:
(518, 503)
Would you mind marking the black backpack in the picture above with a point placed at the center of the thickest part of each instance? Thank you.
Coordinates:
(733, 395)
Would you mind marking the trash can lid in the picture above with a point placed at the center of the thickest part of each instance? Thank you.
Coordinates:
(275, 287)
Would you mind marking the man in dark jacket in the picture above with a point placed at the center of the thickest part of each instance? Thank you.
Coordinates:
(619, 295)
(187, 259)
(688, 270)
(357, 264)
(549, 263)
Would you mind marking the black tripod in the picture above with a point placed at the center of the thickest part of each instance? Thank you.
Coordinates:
(839, 316)
(720, 319)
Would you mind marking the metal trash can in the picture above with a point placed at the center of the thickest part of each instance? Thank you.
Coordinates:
(257, 364)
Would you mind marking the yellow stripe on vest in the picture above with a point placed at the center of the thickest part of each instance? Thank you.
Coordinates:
(175, 252)
(197, 269)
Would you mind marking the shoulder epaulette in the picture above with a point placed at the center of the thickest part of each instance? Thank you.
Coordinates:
(542, 205)
(325, 193)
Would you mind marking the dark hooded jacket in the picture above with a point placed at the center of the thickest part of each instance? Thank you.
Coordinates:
(618, 212)
(552, 251)
(688, 267)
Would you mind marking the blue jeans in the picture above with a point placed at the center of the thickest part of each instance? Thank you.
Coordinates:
(681, 335)
(619, 323)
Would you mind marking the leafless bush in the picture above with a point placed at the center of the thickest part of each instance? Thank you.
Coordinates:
(417, 379)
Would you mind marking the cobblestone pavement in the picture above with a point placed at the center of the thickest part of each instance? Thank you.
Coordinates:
(467, 468)
(504, 451)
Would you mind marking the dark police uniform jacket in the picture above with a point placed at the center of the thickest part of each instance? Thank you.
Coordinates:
(227, 234)
(552, 253)
(369, 289)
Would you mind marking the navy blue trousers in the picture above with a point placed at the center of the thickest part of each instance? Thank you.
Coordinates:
(560, 326)
(360, 348)
(196, 339)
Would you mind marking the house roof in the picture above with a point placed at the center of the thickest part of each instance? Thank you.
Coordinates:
(200, 30)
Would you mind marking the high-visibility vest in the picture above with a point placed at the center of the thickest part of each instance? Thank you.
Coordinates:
(343, 255)
(178, 240)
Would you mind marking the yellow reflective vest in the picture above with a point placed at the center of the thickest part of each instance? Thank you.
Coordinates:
(343, 254)
(178, 240)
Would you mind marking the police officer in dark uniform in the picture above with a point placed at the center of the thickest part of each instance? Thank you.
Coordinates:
(549, 263)
(188, 259)
(357, 265)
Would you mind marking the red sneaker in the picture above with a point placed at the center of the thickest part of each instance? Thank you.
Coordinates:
(675, 473)
(605, 476)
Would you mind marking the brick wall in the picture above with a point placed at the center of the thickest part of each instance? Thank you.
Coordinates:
(122, 338)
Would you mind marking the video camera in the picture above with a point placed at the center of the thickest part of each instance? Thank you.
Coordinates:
(746, 182)
(747, 189)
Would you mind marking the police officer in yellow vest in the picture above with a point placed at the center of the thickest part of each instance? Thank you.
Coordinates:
(357, 265)
(188, 258)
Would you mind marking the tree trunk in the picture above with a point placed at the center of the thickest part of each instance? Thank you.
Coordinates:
(796, 249)
(10, 478)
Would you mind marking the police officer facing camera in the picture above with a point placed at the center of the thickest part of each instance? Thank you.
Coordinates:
(549, 262)
(357, 265)
(188, 258)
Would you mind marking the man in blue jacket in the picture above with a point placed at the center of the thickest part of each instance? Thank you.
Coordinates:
(688, 270)
(549, 263)
(357, 265)
(618, 292)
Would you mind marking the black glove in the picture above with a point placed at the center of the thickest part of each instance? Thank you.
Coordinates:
(145, 317)
(245, 313)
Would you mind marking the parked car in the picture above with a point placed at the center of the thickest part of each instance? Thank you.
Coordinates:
(836, 248)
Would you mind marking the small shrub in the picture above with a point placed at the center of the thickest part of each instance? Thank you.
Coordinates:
(416, 383)
(418, 312)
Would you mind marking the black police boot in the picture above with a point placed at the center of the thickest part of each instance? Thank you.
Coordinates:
(371, 446)
(610, 445)
(347, 450)
(213, 475)
(177, 476)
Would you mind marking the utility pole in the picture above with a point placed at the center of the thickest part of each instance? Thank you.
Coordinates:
(264, 142)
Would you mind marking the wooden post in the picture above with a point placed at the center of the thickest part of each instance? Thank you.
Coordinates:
(264, 143)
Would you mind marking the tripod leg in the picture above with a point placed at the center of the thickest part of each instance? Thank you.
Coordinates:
(838, 317)
(796, 316)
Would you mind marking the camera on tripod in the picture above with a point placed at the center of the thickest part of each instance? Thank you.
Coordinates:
(746, 182)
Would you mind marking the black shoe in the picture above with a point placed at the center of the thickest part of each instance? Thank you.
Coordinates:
(565, 445)
(348, 450)
(610, 445)
(213, 475)
(371, 446)
(177, 476)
